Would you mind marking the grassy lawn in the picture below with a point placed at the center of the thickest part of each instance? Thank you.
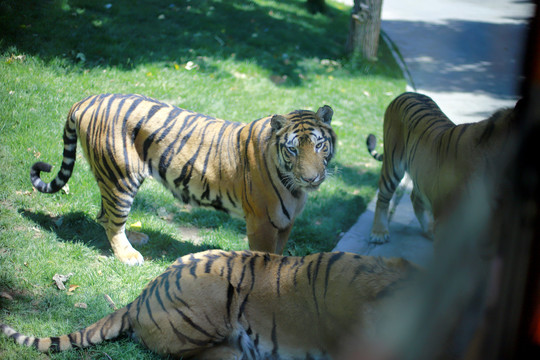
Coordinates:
(232, 59)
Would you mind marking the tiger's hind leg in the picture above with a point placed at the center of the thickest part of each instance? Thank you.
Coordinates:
(379, 229)
(423, 213)
(115, 207)
(391, 175)
(120, 244)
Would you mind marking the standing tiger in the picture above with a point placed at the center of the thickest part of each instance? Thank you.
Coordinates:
(249, 305)
(439, 156)
(260, 170)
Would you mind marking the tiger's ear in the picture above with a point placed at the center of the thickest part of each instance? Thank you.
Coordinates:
(325, 113)
(277, 122)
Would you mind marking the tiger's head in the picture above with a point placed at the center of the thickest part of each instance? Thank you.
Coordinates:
(305, 145)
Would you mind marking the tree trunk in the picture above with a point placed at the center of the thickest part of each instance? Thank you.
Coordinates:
(365, 28)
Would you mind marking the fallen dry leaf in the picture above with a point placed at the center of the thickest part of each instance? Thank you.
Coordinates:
(60, 279)
(278, 80)
(190, 65)
(6, 296)
(17, 58)
(136, 225)
(110, 301)
(81, 305)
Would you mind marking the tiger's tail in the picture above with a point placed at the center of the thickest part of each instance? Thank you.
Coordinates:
(371, 142)
(110, 327)
(70, 150)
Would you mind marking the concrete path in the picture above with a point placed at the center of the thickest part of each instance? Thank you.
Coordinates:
(467, 56)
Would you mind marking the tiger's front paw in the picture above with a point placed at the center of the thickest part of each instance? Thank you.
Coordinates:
(122, 248)
(130, 257)
(379, 237)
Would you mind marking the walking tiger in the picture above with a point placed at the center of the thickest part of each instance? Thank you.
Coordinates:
(261, 170)
(439, 156)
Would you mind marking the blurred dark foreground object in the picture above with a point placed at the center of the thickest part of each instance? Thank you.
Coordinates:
(480, 297)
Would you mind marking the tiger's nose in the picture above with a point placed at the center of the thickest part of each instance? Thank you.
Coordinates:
(313, 180)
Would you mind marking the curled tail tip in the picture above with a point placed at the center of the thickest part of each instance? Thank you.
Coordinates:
(35, 178)
(41, 166)
(36, 170)
(56, 184)
(371, 142)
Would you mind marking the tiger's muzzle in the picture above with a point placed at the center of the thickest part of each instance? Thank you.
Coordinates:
(311, 183)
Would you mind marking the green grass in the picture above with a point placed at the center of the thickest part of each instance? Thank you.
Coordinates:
(251, 59)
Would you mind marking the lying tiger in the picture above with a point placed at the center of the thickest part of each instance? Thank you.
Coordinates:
(260, 170)
(248, 305)
(439, 156)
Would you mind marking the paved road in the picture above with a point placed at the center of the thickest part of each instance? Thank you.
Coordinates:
(466, 55)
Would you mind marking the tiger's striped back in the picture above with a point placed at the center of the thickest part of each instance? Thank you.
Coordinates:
(132, 135)
(251, 305)
(260, 171)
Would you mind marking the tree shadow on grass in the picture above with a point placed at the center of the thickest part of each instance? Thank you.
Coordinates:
(192, 223)
(127, 34)
(358, 176)
(77, 227)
